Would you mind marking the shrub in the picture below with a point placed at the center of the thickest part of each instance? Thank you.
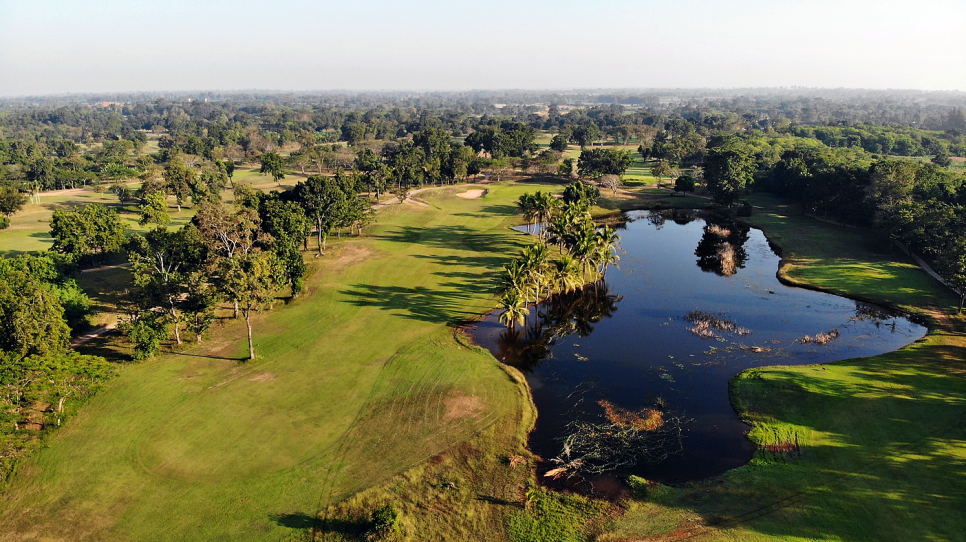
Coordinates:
(385, 524)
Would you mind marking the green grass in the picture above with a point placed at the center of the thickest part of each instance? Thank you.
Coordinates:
(358, 381)
(882, 443)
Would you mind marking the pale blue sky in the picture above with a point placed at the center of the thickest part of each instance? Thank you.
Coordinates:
(58, 46)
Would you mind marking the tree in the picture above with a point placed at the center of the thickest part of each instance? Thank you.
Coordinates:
(154, 210)
(728, 170)
(661, 169)
(146, 331)
(178, 179)
(229, 167)
(685, 184)
(595, 163)
(286, 223)
(891, 183)
(374, 172)
(585, 135)
(251, 281)
(952, 267)
(580, 194)
(942, 159)
(566, 168)
(11, 200)
(559, 143)
(611, 181)
(514, 306)
(88, 232)
(162, 261)
(32, 314)
(321, 198)
(273, 165)
(228, 231)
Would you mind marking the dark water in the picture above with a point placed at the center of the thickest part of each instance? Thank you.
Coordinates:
(626, 341)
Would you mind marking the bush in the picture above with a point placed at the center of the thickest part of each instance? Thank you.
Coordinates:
(146, 333)
(385, 524)
(4, 222)
(745, 209)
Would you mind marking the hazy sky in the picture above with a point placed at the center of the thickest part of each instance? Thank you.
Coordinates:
(58, 46)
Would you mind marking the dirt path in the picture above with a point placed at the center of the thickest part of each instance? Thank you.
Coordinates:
(92, 335)
(104, 268)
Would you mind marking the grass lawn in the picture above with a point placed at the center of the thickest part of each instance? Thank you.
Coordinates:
(357, 381)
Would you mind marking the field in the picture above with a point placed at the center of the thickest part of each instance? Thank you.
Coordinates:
(357, 381)
(362, 396)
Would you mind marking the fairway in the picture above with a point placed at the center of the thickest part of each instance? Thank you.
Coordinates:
(356, 381)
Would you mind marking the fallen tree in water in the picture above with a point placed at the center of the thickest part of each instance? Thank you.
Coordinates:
(626, 439)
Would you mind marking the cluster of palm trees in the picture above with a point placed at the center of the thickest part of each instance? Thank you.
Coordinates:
(583, 252)
(537, 208)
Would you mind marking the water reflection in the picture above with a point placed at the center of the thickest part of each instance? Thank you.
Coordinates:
(573, 313)
(721, 248)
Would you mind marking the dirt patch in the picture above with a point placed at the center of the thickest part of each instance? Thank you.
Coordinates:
(472, 194)
(262, 377)
(460, 406)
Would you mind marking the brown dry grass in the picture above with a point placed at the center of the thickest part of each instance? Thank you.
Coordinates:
(647, 419)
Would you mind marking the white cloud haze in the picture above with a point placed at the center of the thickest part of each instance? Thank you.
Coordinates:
(50, 46)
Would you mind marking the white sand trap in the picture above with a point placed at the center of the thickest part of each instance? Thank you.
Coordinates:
(472, 194)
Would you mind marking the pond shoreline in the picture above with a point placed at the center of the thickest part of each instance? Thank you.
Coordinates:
(780, 275)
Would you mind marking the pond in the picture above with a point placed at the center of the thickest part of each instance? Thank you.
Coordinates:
(694, 302)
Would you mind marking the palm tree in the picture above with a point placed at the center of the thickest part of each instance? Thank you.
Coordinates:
(527, 205)
(514, 276)
(545, 204)
(514, 306)
(607, 242)
(568, 274)
(584, 245)
(535, 259)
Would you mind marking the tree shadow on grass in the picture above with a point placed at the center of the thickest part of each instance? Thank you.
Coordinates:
(450, 237)
(295, 521)
(353, 528)
(418, 303)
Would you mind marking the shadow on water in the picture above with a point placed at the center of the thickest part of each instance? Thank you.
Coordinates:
(699, 302)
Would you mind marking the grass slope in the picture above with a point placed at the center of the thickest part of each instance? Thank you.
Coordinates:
(357, 381)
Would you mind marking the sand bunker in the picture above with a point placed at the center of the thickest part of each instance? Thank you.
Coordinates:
(472, 194)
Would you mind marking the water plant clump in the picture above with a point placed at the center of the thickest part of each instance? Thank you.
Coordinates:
(705, 324)
(820, 338)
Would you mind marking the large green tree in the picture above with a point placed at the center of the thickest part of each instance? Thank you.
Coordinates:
(595, 163)
(321, 198)
(728, 171)
(272, 164)
(11, 201)
(89, 232)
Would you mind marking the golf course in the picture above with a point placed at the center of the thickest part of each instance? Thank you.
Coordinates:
(365, 394)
